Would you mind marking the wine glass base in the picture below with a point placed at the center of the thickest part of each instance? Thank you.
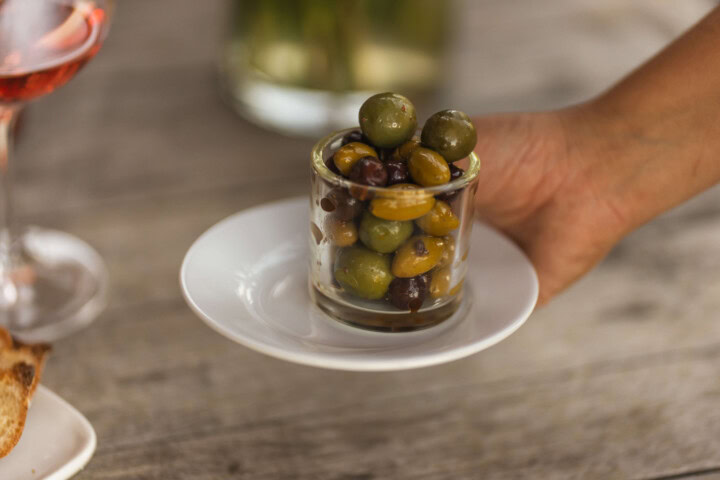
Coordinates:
(58, 286)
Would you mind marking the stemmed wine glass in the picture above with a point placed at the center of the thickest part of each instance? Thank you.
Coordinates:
(51, 283)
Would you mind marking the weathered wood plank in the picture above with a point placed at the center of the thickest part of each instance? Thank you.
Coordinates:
(712, 473)
(143, 240)
(144, 135)
(625, 424)
(164, 375)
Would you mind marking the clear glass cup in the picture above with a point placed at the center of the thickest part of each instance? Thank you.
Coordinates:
(353, 282)
(51, 283)
(306, 66)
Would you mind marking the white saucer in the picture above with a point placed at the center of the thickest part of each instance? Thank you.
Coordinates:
(246, 277)
(56, 444)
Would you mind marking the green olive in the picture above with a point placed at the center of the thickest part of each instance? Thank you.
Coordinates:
(428, 168)
(362, 272)
(387, 119)
(396, 203)
(384, 236)
(340, 232)
(451, 134)
(439, 221)
(349, 154)
(417, 256)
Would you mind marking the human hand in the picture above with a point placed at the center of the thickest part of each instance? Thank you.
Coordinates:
(542, 182)
(567, 185)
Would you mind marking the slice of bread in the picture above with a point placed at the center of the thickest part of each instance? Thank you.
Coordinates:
(30, 355)
(20, 369)
(6, 340)
(14, 402)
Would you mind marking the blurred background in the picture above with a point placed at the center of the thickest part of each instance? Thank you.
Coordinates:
(194, 110)
(167, 83)
(305, 66)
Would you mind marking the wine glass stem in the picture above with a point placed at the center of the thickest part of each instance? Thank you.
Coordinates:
(8, 239)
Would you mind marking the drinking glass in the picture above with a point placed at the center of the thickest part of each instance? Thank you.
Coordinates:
(51, 283)
(336, 201)
(305, 66)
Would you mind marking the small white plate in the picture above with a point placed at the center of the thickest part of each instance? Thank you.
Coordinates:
(57, 441)
(246, 277)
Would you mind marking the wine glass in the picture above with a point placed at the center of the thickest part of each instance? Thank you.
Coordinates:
(51, 283)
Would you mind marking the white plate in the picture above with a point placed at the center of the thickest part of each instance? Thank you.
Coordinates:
(56, 444)
(246, 277)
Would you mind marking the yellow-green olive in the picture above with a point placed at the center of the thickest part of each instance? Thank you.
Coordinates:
(448, 254)
(404, 151)
(349, 154)
(439, 221)
(440, 283)
(418, 255)
(401, 202)
(428, 168)
(340, 232)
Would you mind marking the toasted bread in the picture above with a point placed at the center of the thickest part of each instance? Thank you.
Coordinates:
(14, 402)
(31, 355)
(6, 340)
(20, 370)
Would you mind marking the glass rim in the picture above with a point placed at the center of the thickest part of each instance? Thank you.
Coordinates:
(318, 164)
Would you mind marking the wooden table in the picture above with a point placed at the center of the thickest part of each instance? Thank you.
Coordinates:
(619, 378)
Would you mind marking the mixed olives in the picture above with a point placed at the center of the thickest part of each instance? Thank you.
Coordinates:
(451, 134)
(440, 220)
(369, 171)
(428, 168)
(409, 293)
(396, 204)
(393, 240)
(387, 119)
(346, 157)
(363, 273)
(384, 236)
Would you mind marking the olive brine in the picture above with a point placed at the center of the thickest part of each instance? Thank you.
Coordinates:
(399, 249)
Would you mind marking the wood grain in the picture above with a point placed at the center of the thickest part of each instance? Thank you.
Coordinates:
(150, 374)
(617, 379)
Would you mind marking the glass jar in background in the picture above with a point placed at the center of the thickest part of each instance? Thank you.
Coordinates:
(305, 66)
(372, 248)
